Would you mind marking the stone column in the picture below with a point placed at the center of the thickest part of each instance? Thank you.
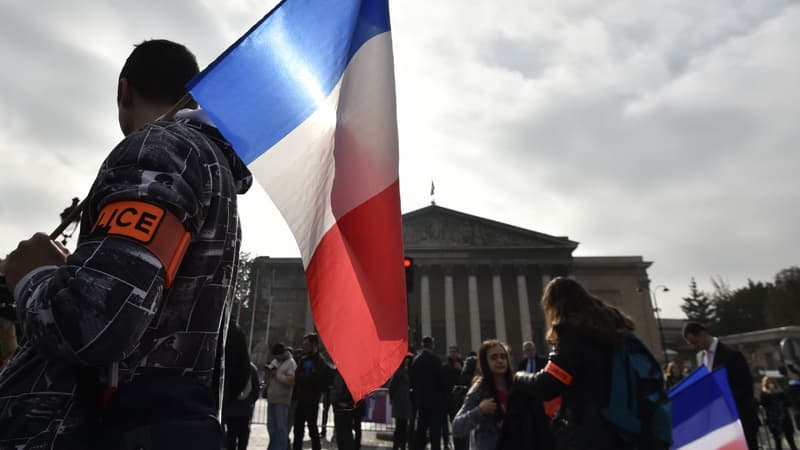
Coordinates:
(545, 280)
(425, 303)
(524, 305)
(309, 318)
(499, 310)
(474, 311)
(449, 307)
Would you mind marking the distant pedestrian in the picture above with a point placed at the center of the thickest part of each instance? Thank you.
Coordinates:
(532, 362)
(326, 395)
(672, 375)
(428, 383)
(346, 415)
(470, 365)
(279, 386)
(310, 381)
(239, 392)
(715, 354)
(452, 367)
(240, 412)
(400, 396)
(779, 420)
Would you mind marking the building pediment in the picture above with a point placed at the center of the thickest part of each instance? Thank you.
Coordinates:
(438, 227)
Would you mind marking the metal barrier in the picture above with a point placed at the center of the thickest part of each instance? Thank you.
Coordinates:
(378, 407)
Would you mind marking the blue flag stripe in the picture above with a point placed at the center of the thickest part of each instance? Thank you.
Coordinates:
(696, 374)
(702, 407)
(276, 75)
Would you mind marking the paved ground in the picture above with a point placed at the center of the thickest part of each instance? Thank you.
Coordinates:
(370, 439)
(259, 440)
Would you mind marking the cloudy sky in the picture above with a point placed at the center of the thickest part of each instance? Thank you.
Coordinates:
(668, 130)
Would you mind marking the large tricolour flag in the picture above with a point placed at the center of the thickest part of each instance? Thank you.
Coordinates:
(704, 416)
(307, 100)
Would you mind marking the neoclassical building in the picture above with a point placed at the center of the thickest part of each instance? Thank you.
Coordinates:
(473, 279)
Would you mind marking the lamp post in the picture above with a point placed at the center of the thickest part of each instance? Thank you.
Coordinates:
(657, 311)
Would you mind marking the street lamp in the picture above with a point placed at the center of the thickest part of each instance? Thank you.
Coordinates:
(657, 310)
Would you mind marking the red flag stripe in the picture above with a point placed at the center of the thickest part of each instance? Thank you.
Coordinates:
(357, 290)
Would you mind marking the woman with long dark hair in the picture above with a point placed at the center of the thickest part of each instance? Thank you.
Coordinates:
(583, 329)
(481, 416)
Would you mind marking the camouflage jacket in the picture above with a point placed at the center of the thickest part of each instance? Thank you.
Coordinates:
(109, 302)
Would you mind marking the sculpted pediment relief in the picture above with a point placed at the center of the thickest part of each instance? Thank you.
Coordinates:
(439, 227)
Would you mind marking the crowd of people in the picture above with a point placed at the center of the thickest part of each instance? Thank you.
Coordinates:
(294, 385)
(487, 402)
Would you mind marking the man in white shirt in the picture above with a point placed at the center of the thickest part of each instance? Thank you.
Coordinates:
(715, 354)
(706, 357)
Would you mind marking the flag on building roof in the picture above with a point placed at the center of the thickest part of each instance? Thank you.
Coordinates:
(704, 416)
(307, 100)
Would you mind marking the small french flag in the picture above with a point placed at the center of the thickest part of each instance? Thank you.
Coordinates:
(307, 100)
(704, 415)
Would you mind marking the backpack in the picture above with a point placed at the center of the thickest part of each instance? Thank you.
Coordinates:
(638, 408)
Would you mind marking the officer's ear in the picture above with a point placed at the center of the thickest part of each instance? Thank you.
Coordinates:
(124, 95)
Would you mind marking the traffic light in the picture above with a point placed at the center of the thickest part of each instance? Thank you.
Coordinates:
(408, 263)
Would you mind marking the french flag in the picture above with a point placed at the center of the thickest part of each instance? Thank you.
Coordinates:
(704, 416)
(307, 100)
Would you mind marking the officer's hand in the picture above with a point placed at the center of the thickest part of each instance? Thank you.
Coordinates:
(37, 251)
(487, 406)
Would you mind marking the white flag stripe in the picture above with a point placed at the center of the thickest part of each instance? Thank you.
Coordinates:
(366, 134)
(731, 432)
(364, 141)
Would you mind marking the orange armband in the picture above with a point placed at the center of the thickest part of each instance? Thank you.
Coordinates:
(157, 229)
(558, 373)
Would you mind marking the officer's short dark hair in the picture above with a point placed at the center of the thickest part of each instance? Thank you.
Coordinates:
(159, 69)
(693, 328)
(427, 342)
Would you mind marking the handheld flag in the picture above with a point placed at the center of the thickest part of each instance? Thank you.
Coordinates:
(704, 416)
(307, 100)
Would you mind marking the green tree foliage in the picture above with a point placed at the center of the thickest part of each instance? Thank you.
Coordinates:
(757, 306)
(784, 299)
(241, 292)
(742, 309)
(698, 306)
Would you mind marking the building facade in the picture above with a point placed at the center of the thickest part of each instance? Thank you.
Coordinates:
(473, 279)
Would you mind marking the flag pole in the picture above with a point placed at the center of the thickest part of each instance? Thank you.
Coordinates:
(75, 213)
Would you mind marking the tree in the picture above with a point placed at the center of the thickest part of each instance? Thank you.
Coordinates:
(722, 290)
(743, 309)
(783, 303)
(698, 306)
(241, 291)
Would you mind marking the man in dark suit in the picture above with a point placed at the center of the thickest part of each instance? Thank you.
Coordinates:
(427, 380)
(531, 362)
(714, 354)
